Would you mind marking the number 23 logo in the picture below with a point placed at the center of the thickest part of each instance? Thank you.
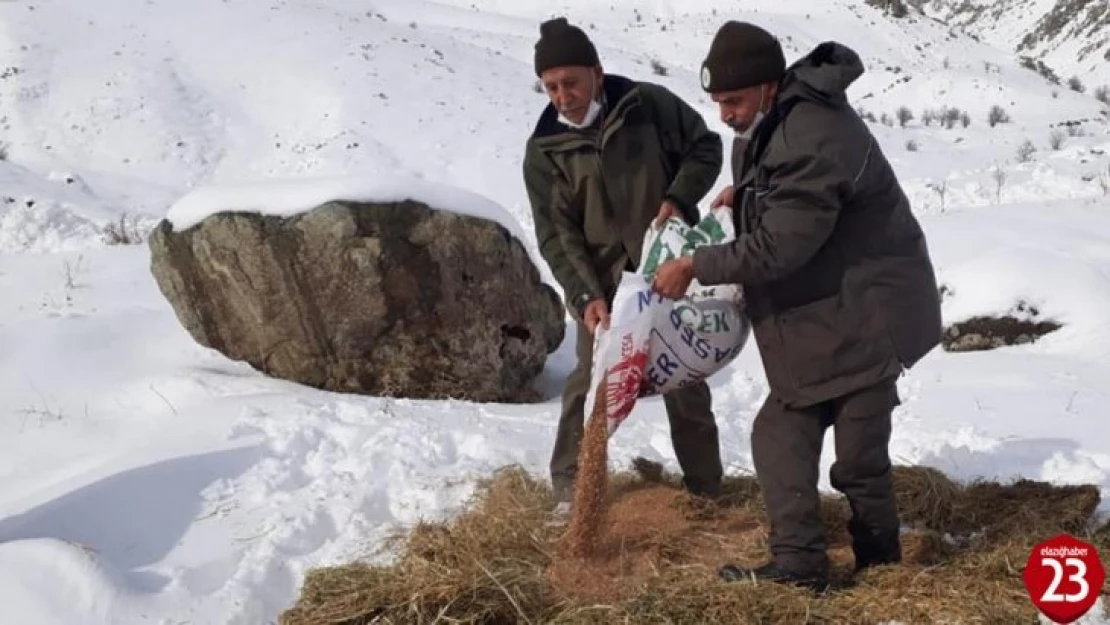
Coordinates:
(1079, 577)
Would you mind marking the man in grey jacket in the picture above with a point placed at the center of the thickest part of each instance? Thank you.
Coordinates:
(838, 283)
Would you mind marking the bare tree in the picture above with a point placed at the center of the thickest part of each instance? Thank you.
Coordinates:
(997, 115)
(941, 189)
(999, 176)
(124, 231)
(1025, 151)
(905, 115)
(1056, 139)
(951, 117)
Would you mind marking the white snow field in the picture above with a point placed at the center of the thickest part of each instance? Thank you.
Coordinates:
(145, 479)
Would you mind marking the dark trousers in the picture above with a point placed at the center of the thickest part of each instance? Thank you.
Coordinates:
(786, 449)
(689, 410)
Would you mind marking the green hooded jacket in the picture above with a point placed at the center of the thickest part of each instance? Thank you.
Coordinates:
(594, 192)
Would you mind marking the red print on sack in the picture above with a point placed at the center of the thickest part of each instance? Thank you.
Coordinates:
(623, 385)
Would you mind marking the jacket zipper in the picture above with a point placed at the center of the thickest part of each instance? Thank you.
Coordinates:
(607, 202)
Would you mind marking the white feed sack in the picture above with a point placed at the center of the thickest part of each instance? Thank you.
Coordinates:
(655, 345)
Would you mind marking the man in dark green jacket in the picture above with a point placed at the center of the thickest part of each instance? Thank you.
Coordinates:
(838, 284)
(607, 157)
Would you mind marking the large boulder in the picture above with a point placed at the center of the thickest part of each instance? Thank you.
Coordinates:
(394, 298)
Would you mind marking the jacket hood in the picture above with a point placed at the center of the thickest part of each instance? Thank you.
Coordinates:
(823, 75)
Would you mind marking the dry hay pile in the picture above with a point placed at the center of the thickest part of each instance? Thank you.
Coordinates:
(655, 559)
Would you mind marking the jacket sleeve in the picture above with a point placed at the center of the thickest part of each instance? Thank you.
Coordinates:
(799, 210)
(697, 150)
(560, 240)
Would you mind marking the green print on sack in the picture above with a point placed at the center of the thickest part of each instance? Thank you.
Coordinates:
(677, 239)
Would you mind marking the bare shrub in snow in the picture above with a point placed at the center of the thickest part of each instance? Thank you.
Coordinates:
(911, 145)
(3, 151)
(1076, 85)
(951, 116)
(941, 189)
(71, 281)
(947, 116)
(1025, 151)
(123, 233)
(537, 86)
(1102, 94)
(44, 413)
(658, 68)
(997, 115)
(1038, 66)
(999, 176)
(886, 120)
(70, 271)
(1056, 139)
(905, 115)
(894, 8)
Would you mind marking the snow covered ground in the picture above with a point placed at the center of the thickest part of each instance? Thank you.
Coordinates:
(144, 479)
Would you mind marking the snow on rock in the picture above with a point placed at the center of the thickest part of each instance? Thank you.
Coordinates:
(286, 197)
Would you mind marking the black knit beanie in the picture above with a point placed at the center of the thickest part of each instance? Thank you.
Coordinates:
(562, 44)
(741, 55)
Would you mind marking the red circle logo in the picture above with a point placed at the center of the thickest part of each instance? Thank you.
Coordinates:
(1064, 577)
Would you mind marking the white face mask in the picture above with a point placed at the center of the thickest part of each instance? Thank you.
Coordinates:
(759, 115)
(592, 111)
(591, 115)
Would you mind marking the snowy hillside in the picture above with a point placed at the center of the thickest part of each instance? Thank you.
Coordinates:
(145, 479)
(1071, 37)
